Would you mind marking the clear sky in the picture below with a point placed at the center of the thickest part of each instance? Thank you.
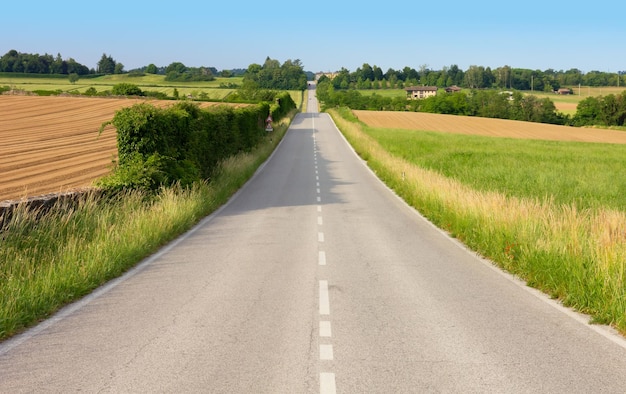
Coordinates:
(324, 35)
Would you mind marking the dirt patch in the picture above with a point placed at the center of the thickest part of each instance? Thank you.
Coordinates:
(487, 127)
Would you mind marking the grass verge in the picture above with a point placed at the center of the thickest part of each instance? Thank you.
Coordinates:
(577, 255)
(50, 260)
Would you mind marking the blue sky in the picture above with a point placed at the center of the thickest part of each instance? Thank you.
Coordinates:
(324, 35)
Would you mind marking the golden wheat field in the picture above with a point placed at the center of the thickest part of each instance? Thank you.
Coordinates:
(487, 127)
(52, 144)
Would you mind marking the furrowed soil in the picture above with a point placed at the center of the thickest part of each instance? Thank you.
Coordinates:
(51, 144)
(487, 127)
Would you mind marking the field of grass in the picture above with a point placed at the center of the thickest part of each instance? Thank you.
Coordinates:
(148, 82)
(207, 90)
(587, 175)
(549, 212)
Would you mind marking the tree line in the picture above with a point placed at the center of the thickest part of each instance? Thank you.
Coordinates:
(272, 75)
(475, 77)
(607, 110)
(16, 62)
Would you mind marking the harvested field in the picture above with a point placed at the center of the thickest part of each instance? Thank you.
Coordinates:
(51, 144)
(487, 127)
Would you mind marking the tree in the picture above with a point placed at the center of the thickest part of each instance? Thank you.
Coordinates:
(119, 68)
(73, 77)
(151, 69)
(106, 65)
(474, 78)
(177, 67)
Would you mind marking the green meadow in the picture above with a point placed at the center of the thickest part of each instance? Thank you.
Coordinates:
(147, 82)
(551, 213)
(587, 175)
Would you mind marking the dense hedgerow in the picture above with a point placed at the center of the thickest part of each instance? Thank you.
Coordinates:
(183, 143)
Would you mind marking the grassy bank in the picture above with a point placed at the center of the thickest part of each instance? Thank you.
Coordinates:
(47, 262)
(570, 249)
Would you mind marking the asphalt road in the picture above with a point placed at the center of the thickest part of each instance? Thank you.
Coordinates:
(315, 278)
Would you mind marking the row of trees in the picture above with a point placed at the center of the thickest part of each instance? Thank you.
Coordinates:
(609, 110)
(177, 71)
(475, 77)
(272, 75)
(485, 103)
(14, 61)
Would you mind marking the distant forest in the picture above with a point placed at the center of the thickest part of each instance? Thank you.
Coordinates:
(17, 62)
(475, 77)
(364, 77)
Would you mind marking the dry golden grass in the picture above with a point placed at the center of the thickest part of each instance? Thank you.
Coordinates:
(51, 144)
(487, 127)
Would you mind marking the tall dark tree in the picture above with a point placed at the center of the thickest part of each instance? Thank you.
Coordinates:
(106, 65)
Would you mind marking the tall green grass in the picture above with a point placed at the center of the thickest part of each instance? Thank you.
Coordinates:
(587, 175)
(574, 252)
(48, 261)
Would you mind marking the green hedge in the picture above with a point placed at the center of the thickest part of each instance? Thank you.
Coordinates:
(184, 143)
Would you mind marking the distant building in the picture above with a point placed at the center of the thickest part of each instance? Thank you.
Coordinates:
(420, 92)
(452, 89)
(564, 91)
(330, 75)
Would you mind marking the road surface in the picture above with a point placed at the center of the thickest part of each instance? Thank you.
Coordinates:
(314, 278)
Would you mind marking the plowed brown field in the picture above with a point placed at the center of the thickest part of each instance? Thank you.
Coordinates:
(487, 127)
(51, 144)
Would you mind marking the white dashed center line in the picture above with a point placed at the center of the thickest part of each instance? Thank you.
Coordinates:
(327, 379)
(326, 352)
(324, 300)
(322, 258)
(325, 330)
(327, 383)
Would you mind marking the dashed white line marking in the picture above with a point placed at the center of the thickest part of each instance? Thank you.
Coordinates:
(322, 258)
(325, 329)
(320, 221)
(327, 383)
(319, 199)
(320, 237)
(319, 208)
(326, 352)
(324, 300)
(318, 190)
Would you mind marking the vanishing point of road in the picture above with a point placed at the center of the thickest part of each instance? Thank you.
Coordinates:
(314, 278)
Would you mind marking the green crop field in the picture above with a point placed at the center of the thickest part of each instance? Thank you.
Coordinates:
(148, 82)
(206, 90)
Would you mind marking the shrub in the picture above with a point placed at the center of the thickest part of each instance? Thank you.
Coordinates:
(126, 89)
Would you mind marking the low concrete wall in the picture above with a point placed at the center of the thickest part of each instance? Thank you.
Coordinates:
(37, 204)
